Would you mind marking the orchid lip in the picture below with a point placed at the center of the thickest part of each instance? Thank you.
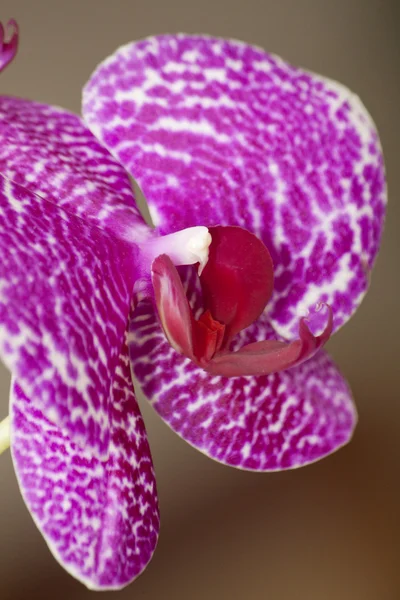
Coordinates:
(234, 297)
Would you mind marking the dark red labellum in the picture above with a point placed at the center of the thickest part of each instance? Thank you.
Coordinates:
(238, 279)
(237, 282)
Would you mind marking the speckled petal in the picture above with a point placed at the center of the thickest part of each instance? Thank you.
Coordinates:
(51, 152)
(219, 132)
(100, 519)
(268, 423)
(65, 295)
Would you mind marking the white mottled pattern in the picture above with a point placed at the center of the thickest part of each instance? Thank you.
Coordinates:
(215, 132)
(65, 293)
(280, 421)
(218, 132)
(51, 152)
(99, 518)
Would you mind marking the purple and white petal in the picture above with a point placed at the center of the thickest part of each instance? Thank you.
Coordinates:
(99, 518)
(65, 295)
(280, 421)
(219, 132)
(51, 152)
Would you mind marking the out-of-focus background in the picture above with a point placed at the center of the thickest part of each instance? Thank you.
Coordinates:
(329, 531)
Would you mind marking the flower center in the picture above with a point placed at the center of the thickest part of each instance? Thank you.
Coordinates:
(236, 282)
(186, 247)
(208, 335)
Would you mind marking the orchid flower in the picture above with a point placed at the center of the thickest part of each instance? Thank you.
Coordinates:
(265, 184)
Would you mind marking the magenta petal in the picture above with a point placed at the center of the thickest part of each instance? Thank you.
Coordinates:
(65, 295)
(218, 132)
(51, 152)
(273, 422)
(100, 519)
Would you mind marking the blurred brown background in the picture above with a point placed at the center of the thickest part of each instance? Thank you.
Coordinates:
(326, 532)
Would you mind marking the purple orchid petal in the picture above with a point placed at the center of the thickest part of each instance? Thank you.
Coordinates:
(8, 43)
(100, 519)
(218, 132)
(51, 152)
(65, 295)
(280, 421)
